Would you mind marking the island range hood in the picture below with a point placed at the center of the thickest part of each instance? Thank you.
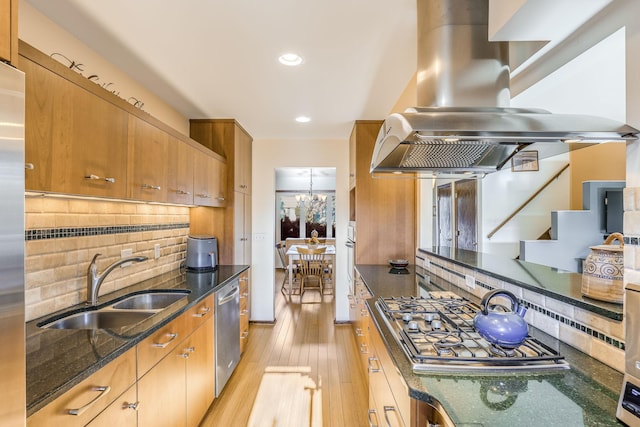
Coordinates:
(467, 127)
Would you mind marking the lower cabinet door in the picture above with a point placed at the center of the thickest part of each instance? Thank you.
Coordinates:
(200, 372)
(122, 412)
(162, 393)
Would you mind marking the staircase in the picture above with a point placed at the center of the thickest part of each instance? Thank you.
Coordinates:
(573, 232)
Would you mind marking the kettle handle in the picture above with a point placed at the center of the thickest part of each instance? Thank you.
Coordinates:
(484, 304)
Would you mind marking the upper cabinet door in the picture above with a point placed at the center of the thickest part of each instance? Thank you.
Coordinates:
(242, 147)
(180, 173)
(210, 181)
(148, 151)
(75, 143)
(9, 31)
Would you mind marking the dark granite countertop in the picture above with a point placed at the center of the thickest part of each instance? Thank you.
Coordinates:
(563, 286)
(584, 395)
(58, 359)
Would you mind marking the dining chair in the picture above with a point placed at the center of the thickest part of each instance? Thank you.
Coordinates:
(311, 267)
(282, 253)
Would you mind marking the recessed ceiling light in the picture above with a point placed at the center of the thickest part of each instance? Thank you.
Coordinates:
(303, 119)
(290, 59)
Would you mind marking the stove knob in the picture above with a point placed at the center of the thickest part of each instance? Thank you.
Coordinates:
(413, 325)
(407, 317)
(436, 324)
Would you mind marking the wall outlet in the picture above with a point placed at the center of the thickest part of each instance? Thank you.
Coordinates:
(470, 281)
(156, 251)
(427, 263)
(258, 236)
(123, 254)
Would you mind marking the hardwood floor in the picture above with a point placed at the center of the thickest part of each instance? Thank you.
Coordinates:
(303, 335)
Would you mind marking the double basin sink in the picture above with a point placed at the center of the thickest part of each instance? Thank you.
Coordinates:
(126, 311)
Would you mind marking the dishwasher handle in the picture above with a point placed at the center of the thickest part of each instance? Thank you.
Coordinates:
(230, 296)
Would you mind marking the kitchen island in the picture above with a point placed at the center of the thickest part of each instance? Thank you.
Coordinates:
(584, 394)
(58, 359)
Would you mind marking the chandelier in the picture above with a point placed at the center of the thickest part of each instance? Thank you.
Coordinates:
(307, 198)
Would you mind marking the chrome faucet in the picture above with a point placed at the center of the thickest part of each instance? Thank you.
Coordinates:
(94, 279)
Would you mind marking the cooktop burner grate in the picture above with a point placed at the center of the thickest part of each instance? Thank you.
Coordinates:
(437, 333)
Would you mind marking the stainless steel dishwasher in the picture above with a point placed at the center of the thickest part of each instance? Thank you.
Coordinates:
(227, 332)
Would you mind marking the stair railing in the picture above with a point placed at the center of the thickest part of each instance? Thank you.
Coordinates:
(529, 200)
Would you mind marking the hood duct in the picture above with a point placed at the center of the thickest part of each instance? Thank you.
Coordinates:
(467, 128)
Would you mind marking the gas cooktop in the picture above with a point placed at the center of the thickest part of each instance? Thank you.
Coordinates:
(437, 334)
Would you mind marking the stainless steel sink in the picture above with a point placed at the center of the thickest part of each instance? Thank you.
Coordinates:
(101, 319)
(125, 312)
(149, 301)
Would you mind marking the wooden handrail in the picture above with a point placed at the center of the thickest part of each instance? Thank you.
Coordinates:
(522, 206)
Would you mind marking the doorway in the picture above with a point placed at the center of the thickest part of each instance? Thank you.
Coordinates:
(457, 212)
(305, 204)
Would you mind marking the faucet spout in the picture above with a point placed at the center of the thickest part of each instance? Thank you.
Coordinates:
(95, 279)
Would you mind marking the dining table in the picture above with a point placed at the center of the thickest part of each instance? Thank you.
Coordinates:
(293, 255)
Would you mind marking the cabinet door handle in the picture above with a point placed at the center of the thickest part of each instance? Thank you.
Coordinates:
(104, 390)
(220, 198)
(93, 177)
(359, 332)
(183, 193)
(151, 187)
(172, 337)
(203, 195)
(133, 406)
(244, 335)
(372, 412)
(29, 166)
(388, 409)
(371, 368)
(364, 348)
(203, 312)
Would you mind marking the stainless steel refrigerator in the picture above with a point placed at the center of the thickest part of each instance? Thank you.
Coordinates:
(12, 319)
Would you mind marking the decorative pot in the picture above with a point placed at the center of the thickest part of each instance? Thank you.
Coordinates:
(603, 271)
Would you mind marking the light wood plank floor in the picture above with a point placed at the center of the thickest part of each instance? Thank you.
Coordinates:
(303, 335)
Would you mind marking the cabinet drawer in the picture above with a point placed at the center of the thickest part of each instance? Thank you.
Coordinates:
(89, 397)
(153, 348)
(122, 412)
(199, 313)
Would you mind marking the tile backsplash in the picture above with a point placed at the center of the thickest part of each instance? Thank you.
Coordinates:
(62, 236)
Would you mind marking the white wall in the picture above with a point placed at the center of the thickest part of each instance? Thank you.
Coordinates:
(267, 156)
(593, 83)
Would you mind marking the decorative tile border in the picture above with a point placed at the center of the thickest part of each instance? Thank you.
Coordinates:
(60, 233)
(555, 316)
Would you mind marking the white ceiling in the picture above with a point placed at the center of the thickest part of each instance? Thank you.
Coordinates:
(218, 58)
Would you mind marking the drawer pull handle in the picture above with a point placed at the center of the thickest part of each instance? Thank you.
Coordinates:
(104, 390)
(359, 332)
(371, 368)
(97, 178)
(203, 312)
(363, 348)
(244, 335)
(388, 409)
(151, 187)
(183, 193)
(29, 166)
(372, 412)
(172, 337)
(244, 312)
(133, 406)
(220, 198)
(203, 196)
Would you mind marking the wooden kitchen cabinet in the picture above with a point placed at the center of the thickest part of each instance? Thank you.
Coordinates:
(200, 372)
(388, 393)
(362, 322)
(176, 370)
(9, 31)
(210, 181)
(122, 412)
(227, 138)
(75, 143)
(384, 208)
(244, 309)
(91, 396)
(148, 155)
(180, 172)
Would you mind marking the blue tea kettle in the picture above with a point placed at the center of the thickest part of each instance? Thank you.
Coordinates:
(507, 327)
